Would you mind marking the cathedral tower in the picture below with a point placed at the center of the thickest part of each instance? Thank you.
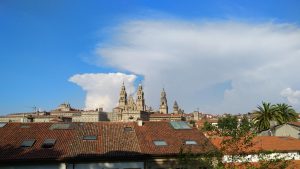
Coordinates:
(163, 103)
(123, 97)
(140, 101)
(175, 108)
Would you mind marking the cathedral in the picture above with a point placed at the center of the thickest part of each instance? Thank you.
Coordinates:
(130, 109)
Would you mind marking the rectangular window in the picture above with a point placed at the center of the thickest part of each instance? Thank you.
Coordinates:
(160, 143)
(2, 124)
(190, 142)
(61, 126)
(179, 125)
(28, 143)
(89, 137)
(128, 129)
(49, 143)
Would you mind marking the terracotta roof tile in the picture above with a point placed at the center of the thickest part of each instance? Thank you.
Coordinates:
(112, 140)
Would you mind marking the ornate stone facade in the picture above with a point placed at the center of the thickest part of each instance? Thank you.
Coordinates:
(128, 109)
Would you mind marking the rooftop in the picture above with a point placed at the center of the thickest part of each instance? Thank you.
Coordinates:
(94, 140)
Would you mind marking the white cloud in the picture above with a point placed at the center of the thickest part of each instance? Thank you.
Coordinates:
(219, 67)
(102, 89)
(293, 96)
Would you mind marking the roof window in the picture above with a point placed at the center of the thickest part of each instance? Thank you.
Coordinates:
(128, 129)
(2, 124)
(25, 126)
(28, 143)
(49, 143)
(61, 126)
(190, 142)
(90, 137)
(179, 125)
(160, 143)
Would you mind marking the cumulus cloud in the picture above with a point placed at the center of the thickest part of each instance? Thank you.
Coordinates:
(102, 89)
(293, 96)
(218, 67)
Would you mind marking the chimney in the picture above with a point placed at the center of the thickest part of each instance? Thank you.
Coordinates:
(140, 122)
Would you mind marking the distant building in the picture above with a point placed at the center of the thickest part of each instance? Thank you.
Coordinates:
(128, 109)
(291, 129)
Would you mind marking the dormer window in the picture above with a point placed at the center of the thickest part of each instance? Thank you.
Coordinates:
(190, 142)
(28, 143)
(128, 129)
(49, 143)
(90, 137)
(160, 143)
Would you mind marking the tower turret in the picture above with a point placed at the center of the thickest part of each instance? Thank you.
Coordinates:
(175, 108)
(163, 102)
(140, 101)
(123, 97)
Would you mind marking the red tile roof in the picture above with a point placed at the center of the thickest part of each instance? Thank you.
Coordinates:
(112, 141)
(268, 143)
(151, 131)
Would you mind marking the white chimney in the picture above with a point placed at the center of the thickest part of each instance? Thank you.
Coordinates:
(140, 122)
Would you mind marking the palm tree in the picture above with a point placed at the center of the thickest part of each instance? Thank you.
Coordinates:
(264, 115)
(286, 112)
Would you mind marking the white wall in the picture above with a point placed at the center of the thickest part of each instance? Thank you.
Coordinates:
(257, 157)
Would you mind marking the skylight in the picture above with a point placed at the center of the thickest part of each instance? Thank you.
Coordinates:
(90, 137)
(49, 143)
(178, 125)
(190, 142)
(128, 129)
(25, 126)
(2, 124)
(160, 143)
(61, 126)
(28, 143)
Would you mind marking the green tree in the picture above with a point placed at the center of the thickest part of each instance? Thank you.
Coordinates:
(286, 112)
(246, 124)
(264, 115)
(208, 126)
(228, 124)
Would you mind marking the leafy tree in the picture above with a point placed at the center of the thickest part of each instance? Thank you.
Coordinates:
(286, 112)
(208, 126)
(229, 122)
(245, 123)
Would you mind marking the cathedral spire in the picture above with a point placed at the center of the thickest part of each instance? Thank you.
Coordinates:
(163, 102)
(123, 96)
(175, 108)
(140, 101)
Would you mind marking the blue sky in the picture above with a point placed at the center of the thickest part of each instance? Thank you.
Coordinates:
(44, 43)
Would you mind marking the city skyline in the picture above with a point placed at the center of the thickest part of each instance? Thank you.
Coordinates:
(220, 57)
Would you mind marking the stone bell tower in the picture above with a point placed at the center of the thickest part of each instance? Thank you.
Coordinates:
(123, 97)
(175, 108)
(140, 101)
(163, 102)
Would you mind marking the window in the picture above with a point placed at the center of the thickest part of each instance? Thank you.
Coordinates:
(128, 129)
(160, 143)
(28, 143)
(89, 137)
(49, 143)
(177, 125)
(61, 126)
(190, 142)
(24, 126)
(2, 124)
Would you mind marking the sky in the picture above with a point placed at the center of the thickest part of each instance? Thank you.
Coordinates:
(212, 56)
